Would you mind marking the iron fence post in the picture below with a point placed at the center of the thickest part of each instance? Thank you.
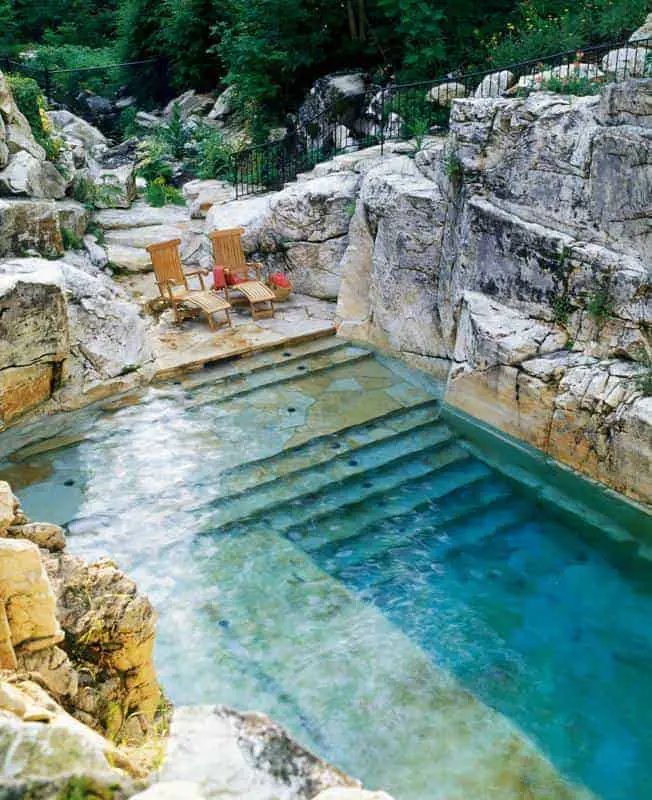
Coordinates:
(47, 85)
(382, 121)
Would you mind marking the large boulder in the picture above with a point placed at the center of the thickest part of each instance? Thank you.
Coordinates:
(643, 34)
(202, 195)
(109, 629)
(190, 103)
(495, 84)
(626, 62)
(27, 598)
(243, 755)
(82, 138)
(224, 106)
(67, 333)
(54, 755)
(344, 92)
(26, 174)
(444, 93)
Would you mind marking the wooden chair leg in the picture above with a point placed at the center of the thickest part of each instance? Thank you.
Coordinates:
(211, 322)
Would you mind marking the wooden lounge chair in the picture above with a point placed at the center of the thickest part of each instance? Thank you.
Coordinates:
(229, 255)
(172, 283)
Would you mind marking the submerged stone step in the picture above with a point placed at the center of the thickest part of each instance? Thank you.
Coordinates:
(391, 532)
(374, 483)
(275, 356)
(338, 470)
(245, 383)
(355, 687)
(348, 439)
(408, 498)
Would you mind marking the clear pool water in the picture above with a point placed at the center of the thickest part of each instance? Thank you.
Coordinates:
(320, 545)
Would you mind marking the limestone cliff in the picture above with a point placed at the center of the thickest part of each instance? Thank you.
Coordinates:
(515, 251)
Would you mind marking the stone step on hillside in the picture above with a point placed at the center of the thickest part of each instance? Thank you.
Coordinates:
(309, 506)
(336, 472)
(127, 232)
(323, 449)
(468, 482)
(412, 726)
(260, 379)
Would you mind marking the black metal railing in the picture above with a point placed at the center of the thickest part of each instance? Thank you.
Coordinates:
(99, 94)
(407, 111)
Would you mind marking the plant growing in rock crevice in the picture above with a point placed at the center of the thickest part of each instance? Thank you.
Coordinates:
(561, 304)
(453, 167)
(600, 302)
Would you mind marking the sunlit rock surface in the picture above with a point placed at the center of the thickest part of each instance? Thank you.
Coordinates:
(519, 219)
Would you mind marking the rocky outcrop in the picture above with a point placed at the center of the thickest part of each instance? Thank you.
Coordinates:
(511, 245)
(257, 759)
(67, 335)
(82, 628)
(129, 232)
(24, 170)
(48, 754)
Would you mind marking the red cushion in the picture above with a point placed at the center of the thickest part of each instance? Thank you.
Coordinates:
(219, 279)
(233, 278)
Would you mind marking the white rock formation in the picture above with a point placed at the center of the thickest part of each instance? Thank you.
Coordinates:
(65, 332)
(523, 212)
(495, 84)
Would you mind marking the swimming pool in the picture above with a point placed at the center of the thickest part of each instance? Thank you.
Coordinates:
(324, 544)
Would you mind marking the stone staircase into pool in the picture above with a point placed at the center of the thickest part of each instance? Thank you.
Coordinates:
(324, 545)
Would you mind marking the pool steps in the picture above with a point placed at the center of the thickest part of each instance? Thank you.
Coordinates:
(283, 373)
(305, 483)
(279, 356)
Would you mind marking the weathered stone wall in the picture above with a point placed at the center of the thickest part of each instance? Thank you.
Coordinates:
(65, 334)
(517, 250)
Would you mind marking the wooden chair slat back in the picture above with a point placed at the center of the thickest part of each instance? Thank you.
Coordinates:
(227, 249)
(166, 261)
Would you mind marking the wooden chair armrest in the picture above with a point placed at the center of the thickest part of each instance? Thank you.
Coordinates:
(257, 266)
(200, 274)
(164, 286)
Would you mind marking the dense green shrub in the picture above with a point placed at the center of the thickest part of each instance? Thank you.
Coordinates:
(212, 154)
(31, 102)
(543, 27)
(155, 160)
(159, 193)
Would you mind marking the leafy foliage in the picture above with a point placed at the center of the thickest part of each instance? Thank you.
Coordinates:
(159, 193)
(212, 154)
(31, 103)
(542, 27)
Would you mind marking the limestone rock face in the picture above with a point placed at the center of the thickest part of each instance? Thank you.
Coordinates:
(498, 249)
(65, 333)
(109, 630)
(27, 596)
(25, 174)
(48, 754)
(245, 756)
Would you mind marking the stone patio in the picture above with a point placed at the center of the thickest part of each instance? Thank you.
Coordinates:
(192, 345)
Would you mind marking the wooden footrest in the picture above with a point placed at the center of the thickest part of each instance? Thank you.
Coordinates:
(207, 301)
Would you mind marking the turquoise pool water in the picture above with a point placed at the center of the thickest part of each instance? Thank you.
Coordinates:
(323, 545)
